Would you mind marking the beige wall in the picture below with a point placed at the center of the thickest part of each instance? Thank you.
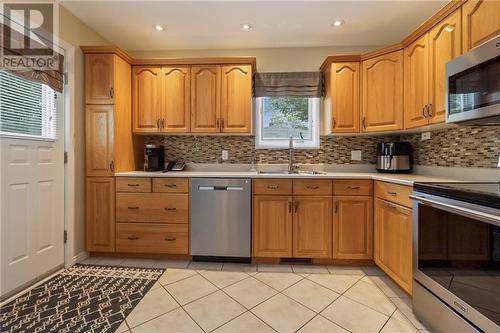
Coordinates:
(268, 60)
(76, 33)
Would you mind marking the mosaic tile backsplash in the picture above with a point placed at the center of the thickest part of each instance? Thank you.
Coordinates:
(456, 147)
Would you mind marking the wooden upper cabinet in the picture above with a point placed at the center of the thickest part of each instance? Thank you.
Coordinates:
(445, 44)
(480, 22)
(353, 227)
(393, 242)
(99, 79)
(272, 226)
(175, 111)
(312, 226)
(416, 83)
(100, 214)
(146, 97)
(205, 98)
(99, 140)
(236, 99)
(345, 97)
(382, 93)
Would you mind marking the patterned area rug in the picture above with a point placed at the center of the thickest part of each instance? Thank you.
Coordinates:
(83, 298)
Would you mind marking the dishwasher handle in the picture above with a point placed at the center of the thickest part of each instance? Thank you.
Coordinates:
(220, 188)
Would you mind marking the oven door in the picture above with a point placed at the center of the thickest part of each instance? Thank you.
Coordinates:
(457, 257)
(473, 86)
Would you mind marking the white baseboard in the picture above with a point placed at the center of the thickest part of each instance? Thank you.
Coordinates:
(79, 257)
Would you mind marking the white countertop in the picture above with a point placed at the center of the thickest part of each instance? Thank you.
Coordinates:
(403, 179)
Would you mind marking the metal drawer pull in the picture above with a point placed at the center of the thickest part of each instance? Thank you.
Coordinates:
(133, 237)
(170, 185)
(133, 207)
(392, 193)
(170, 239)
(310, 187)
(391, 206)
(132, 184)
(273, 187)
(353, 187)
(171, 208)
(289, 206)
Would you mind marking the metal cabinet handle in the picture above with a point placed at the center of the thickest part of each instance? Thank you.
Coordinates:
(170, 185)
(423, 111)
(133, 207)
(217, 123)
(111, 92)
(133, 185)
(158, 123)
(363, 122)
(273, 187)
(163, 123)
(392, 193)
(333, 122)
(429, 111)
(353, 187)
(391, 206)
(221, 123)
(170, 209)
(312, 187)
(296, 206)
(170, 239)
(112, 166)
(133, 237)
(289, 206)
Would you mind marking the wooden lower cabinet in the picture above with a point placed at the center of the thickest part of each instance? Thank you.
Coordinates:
(312, 226)
(393, 242)
(353, 227)
(100, 214)
(152, 238)
(272, 226)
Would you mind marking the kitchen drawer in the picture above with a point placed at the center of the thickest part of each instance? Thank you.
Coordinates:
(152, 207)
(133, 184)
(152, 238)
(272, 186)
(171, 185)
(352, 187)
(312, 186)
(399, 194)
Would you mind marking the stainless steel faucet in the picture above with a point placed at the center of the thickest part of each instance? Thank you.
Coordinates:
(290, 152)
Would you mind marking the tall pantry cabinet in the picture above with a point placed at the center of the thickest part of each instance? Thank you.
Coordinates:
(109, 144)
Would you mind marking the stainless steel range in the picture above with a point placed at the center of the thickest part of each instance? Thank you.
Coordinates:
(457, 256)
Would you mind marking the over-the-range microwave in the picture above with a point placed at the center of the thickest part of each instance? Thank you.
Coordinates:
(473, 86)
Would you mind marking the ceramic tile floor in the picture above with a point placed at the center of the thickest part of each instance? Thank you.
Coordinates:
(227, 298)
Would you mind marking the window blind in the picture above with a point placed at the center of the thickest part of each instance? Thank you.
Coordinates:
(26, 107)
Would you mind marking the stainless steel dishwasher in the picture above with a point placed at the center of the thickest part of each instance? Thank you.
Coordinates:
(221, 219)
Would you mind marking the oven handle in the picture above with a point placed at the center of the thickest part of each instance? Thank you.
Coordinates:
(485, 217)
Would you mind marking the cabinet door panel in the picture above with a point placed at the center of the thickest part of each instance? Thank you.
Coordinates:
(345, 91)
(445, 43)
(176, 99)
(416, 86)
(236, 99)
(481, 21)
(382, 93)
(312, 226)
(353, 227)
(99, 140)
(393, 242)
(205, 98)
(272, 226)
(100, 214)
(99, 74)
(146, 86)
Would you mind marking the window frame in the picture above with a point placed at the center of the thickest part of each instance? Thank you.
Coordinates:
(314, 108)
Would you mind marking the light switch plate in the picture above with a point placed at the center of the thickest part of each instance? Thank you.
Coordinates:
(225, 155)
(355, 155)
(426, 136)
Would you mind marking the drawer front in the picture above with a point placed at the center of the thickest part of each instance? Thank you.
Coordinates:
(133, 184)
(352, 187)
(152, 238)
(272, 186)
(312, 186)
(171, 185)
(399, 194)
(152, 207)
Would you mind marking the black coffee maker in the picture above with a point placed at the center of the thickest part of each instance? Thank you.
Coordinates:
(394, 157)
(154, 158)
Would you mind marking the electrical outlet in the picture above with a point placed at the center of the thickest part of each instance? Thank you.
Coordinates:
(225, 155)
(355, 155)
(426, 136)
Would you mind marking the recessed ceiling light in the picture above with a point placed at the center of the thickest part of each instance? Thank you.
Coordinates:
(159, 27)
(337, 23)
(246, 27)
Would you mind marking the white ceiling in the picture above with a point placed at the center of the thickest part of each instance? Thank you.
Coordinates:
(217, 24)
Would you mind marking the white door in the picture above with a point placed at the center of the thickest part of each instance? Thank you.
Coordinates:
(32, 195)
